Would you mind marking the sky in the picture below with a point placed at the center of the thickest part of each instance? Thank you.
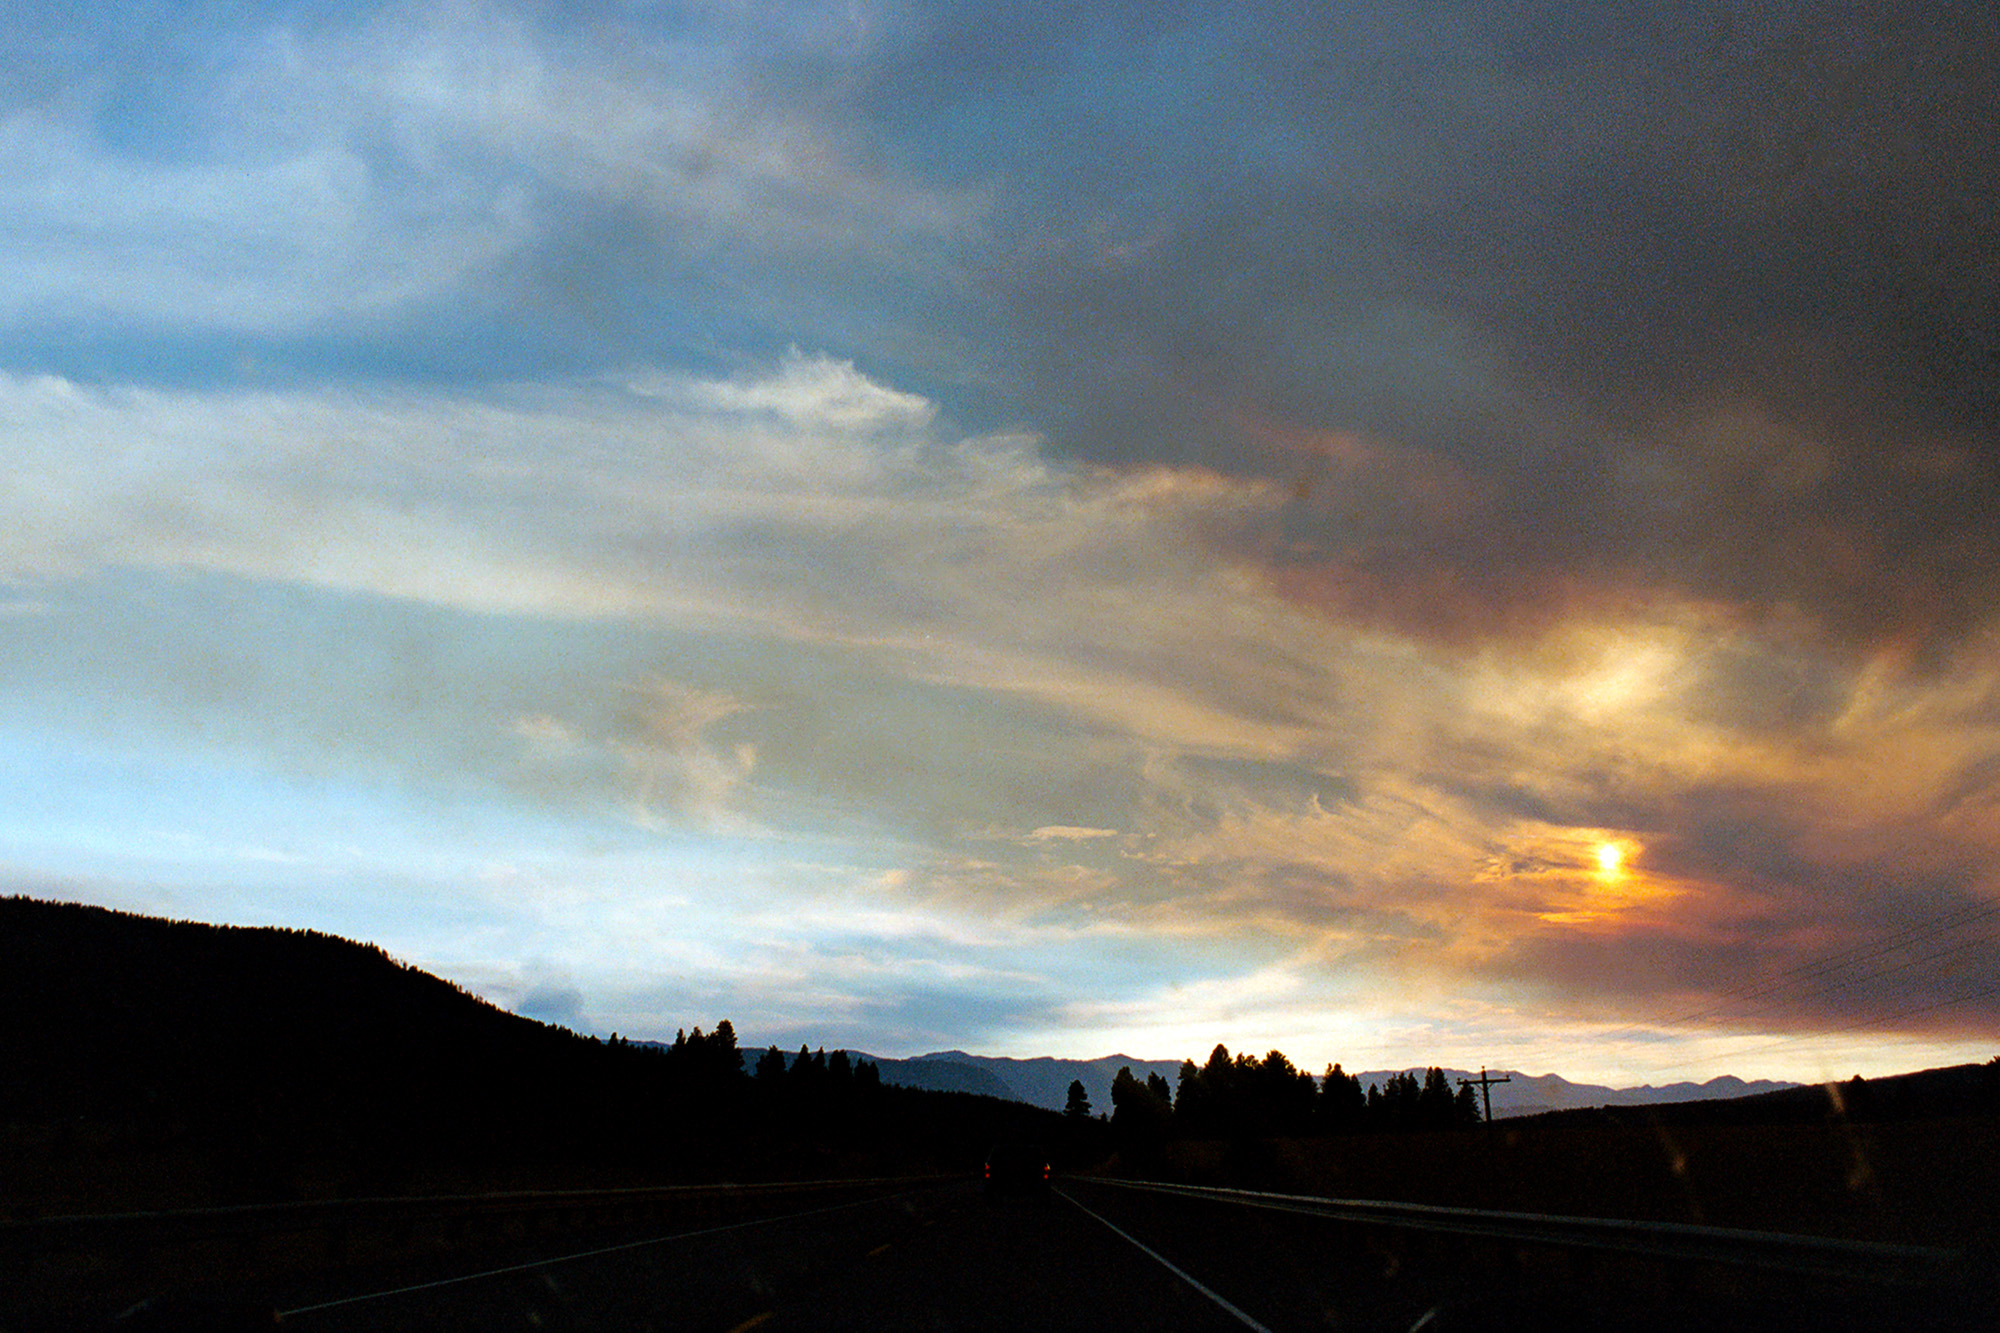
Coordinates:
(1402, 533)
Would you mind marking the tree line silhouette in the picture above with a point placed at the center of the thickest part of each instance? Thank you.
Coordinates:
(231, 1064)
(1245, 1097)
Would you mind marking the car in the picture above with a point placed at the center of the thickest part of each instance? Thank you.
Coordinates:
(1019, 1170)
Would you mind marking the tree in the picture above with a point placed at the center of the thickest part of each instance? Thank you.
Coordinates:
(1280, 1096)
(1434, 1102)
(1190, 1111)
(804, 1077)
(1218, 1095)
(1141, 1113)
(723, 1056)
(1078, 1106)
(1125, 1093)
(771, 1066)
(1342, 1104)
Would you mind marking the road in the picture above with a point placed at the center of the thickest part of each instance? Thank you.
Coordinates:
(942, 1257)
(1090, 1257)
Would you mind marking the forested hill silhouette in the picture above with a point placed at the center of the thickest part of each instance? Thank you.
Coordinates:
(150, 1062)
(1925, 1094)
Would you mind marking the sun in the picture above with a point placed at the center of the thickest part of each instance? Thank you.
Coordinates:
(1609, 857)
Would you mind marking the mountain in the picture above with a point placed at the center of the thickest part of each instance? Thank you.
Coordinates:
(1044, 1081)
(930, 1073)
(942, 1074)
(1532, 1094)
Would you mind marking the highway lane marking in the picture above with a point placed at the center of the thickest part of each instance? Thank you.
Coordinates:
(754, 1321)
(1168, 1264)
(583, 1254)
(878, 1250)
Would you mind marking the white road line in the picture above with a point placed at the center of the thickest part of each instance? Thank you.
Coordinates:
(583, 1254)
(1163, 1261)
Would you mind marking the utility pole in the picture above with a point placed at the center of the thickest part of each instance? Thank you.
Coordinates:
(1486, 1082)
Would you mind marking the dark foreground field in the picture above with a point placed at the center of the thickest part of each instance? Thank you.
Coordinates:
(939, 1254)
(1922, 1181)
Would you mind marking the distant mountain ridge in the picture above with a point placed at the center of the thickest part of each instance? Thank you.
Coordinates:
(1044, 1081)
(1041, 1081)
(1531, 1094)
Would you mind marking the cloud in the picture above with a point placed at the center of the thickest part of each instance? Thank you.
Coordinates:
(1290, 486)
(1053, 832)
(1584, 296)
(562, 1005)
(285, 183)
(785, 604)
(817, 392)
(828, 523)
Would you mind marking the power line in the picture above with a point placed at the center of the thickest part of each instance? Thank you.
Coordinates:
(1953, 920)
(1844, 983)
(1726, 1001)
(1819, 977)
(1863, 1025)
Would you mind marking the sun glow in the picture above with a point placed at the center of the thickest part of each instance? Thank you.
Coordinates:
(1613, 893)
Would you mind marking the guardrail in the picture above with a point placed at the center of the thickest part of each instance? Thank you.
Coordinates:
(1817, 1256)
(96, 1262)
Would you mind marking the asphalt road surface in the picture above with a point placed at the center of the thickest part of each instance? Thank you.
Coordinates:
(942, 1257)
(1088, 1257)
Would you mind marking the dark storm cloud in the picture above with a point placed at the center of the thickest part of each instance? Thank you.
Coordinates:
(1809, 177)
(1527, 249)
